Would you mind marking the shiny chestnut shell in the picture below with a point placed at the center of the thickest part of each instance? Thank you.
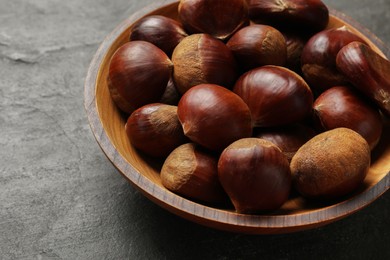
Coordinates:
(368, 71)
(155, 129)
(275, 95)
(319, 58)
(255, 174)
(200, 58)
(341, 106)
(219, 18)
(295, 15)
(138, 75)
(214, 116)
(162, 31)
(258, 45)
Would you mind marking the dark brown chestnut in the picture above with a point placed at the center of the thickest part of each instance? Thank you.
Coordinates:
(155, 129)
(258, 45)
(294, 15)
(138, 75)
(275, 95)
(162, 31)
(255, 174)
(341, 106)
(192, 172)
(319, 58)
(171, 96)
(214, 116)
(288, 138)
(368, 71)
(200, 58)
(218, 18)
(331, 164)
(295, 44)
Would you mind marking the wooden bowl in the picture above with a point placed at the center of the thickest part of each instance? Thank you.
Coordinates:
(107, 124)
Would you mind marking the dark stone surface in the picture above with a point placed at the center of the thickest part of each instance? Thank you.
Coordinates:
(60, 198)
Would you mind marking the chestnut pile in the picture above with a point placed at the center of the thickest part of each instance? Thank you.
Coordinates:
(244, 100)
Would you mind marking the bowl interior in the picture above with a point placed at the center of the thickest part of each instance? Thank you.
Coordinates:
(108, 122)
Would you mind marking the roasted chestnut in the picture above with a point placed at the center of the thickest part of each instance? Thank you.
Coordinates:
(214, 116)
(219, 18)
(341, 106)
(368, 71)
(138, 75)
(258, 45)
(331, 164)
(200, 58)
(275, 95)
(162, 31)
(192, 171)
(155, 129)
(255, 174)
(294, 15)
(319, 58)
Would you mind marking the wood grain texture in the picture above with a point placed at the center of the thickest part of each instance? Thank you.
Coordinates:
(107, 124)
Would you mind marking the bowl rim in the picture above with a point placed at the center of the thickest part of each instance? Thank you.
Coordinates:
(202, 214)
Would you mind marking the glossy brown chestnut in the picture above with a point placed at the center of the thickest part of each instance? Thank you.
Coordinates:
(218, 18)
(255, 174)
(319, 58)
(200, 58)
(214, 116)
(368, 71)
(331, 164)
(275, 95)
(162, 31)
(192, 172)
(288, 138)
(258, 45)
(341, 106)
(155, 129)
(295, 15)
(138, 75)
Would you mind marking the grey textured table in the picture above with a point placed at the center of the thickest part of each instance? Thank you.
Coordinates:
(60, 198)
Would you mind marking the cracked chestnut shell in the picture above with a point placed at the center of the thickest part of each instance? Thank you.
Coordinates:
(138, 75)
(342, 106)
(257, 45)
(192, 172)
(219, 18)
(319, 58)
(255, 174)
(275, 95)
(200, 58)
(368, 71)
(294, 15)
(214, 116)
(162, 31)
(155, 129)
